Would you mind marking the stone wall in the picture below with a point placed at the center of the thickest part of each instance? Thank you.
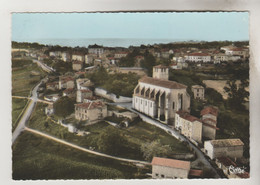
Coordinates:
(103, 93)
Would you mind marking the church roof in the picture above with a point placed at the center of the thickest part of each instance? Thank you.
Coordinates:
(162, 83)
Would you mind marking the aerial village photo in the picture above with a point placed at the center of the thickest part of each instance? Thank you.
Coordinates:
(140, 95)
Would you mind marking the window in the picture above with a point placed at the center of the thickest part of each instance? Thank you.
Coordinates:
(197, 90)
(151, 104)
(156, 174)
(173, 105)
(162, 176)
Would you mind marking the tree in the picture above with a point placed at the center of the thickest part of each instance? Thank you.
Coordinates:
(237, 94)
(153, 149)
(111, 141)
(63, 107)
(148, 63)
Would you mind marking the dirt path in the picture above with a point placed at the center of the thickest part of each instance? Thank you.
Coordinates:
(84, 149)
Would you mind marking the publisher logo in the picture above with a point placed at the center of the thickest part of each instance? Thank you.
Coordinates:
(236, 170)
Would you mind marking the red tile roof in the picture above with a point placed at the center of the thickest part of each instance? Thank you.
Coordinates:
(244, 175)
(139, 56)
(209, 110)
(187, 116)
(237, 49)
(209, 120)
(173, 163)
(85, 90)
(209, 125)
(226, 161)
(162, 83)
(198, 54)
(90, 105)
(69, 90)
(196, 173)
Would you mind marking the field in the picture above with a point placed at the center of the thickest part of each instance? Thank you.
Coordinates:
(140, 132)
(35, 157)
(17, 107)
(219, 85)
(25, 75)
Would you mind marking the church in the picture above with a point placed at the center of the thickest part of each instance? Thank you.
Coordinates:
(159, 97)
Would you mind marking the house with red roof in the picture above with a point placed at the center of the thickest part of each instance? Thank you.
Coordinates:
(121, 54)
(189, 126)
(164, 168)
(198, 57)
(66, 82)
(209, 119)
(91, 112)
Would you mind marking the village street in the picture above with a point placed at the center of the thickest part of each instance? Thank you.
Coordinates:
(200, 155)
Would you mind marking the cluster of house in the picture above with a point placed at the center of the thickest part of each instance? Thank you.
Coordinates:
(109, 57)
(96, 55)
(226, 153)
(169, 102)
(225, 54)
(88, 108)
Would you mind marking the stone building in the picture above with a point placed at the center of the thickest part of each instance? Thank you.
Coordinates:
(160, 98)
(209, 119)
(65, 56)
(169, 168)
(66, 82)
(232, 148)
(95, 49)
(83, 83)
(198, 91)
(83, 94)
(91, 112)
(78, 57)
(198, 57)
(189, 126)
(77, 65)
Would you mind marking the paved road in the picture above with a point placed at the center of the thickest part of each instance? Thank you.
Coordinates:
(84, 149)
(27, 113)
(200, 155)
(44, 66)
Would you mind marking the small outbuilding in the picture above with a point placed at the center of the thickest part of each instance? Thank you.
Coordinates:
(169, 168)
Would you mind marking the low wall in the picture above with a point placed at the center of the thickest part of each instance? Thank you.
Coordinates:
(111, 96)
(183, 156)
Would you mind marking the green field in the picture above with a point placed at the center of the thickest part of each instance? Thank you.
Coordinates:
(135, 135)
(23, 80)
(17, 107)
(35, 157)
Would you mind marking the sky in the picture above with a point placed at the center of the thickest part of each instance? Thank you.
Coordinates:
(206, 26)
